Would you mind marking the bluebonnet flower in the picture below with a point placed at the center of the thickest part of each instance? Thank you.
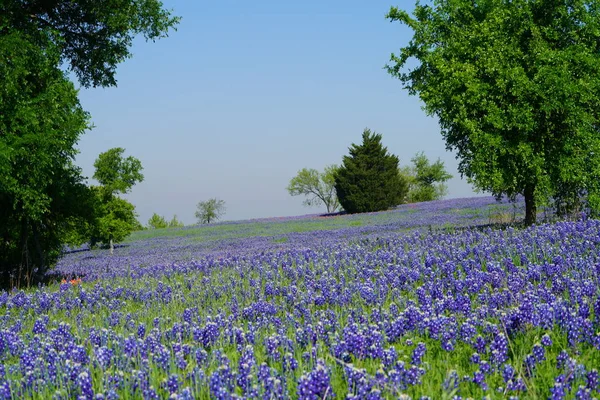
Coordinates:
(508, 373)
(418, 353)
(592, 380)
(451, 381)
(272, 344)
(141, 332)
(499, 349)
(315, 385)
(104, 356)
(561, 359)
(290, 363)
(85, 385)
(557, 392)
(245, 366)
(172, 383)
(39, 327)
(583, 393)
(162, 357)
(539, 353)
(5, 392)
(479, 379)
(546, 341)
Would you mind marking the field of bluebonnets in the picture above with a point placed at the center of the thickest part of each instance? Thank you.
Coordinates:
(398, 304)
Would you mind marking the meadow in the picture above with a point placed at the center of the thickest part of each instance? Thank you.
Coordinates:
(437, 300)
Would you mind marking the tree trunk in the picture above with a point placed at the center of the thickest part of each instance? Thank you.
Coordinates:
(41, 269)
(112, 247)
(530, 207)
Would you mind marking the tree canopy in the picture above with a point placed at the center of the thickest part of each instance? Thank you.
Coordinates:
(44, 201)
(515, 86)
(210, 210)
(426, 181)
(115, 173)
(115, 217)
(368, 179)
(319, 187)
(92, 36)
(42, 194)
(159, 222)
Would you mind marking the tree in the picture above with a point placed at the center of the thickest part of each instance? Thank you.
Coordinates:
(318, 186)
(92, 36)
(368, 179)
(115, 217)
(42, 195)
(426, 181)
(157, 222)
(515, 86)
(116, 173)
(175, 223)
(44, 201)
(210, 210)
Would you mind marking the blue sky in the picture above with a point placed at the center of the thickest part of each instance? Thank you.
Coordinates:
(245, 94)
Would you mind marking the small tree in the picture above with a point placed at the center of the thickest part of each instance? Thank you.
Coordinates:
(426, 181)
(157, 222)
(368, 179)
(175, 223)
(318, 186)
(115, 173)
(210, 210)
(115, 217)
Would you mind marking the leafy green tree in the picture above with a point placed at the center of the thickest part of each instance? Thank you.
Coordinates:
(426, 181)
(115, 173)
(43, 199)
(210, 210)
(369, 179)
(515, 86)
(115, 217)
(318, 186)
(157, 222)
(42, 194)
(175, 223)
(91, 36)
(137, 226)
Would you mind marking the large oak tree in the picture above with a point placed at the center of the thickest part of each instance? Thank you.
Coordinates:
(515, 86)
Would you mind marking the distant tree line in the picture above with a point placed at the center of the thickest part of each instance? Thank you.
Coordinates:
(207, 212)
(370, 179)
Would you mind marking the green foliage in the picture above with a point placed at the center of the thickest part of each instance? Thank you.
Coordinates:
(137, 226)
(157, 222)
(210, 210)
(42, 194)
(91, 36)
(43, 199)
(318, 186)
(115, 217)
(516, 89)
(116, 173)
(175, 223)
(368, 179)
(426, 181)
